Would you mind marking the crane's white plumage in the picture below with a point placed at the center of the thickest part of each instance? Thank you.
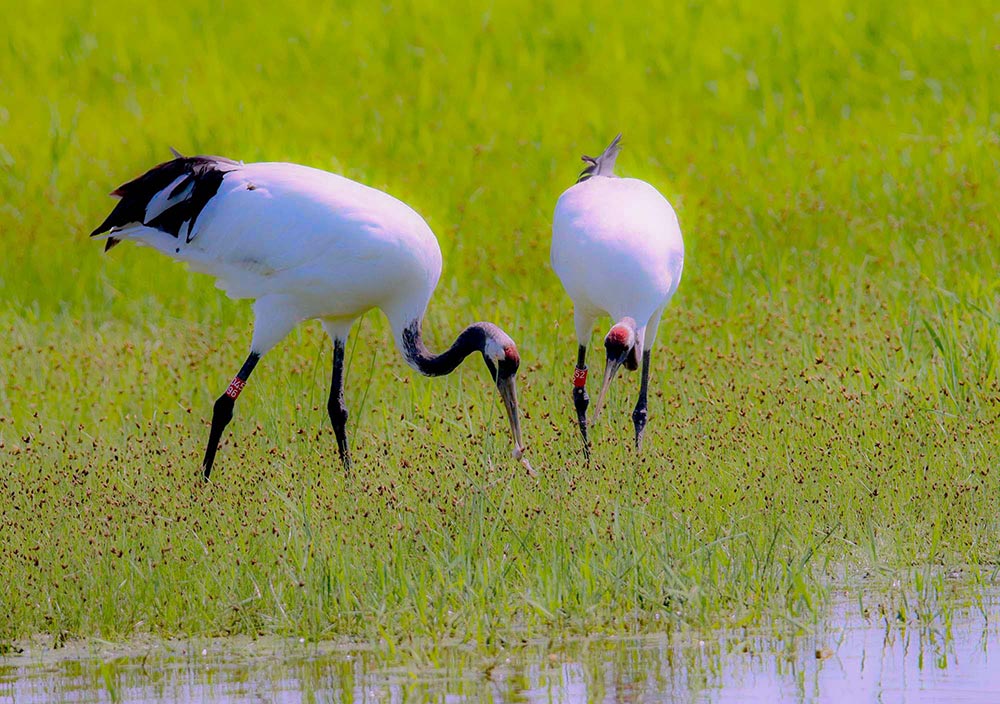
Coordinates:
(304, 243)
(618, 250)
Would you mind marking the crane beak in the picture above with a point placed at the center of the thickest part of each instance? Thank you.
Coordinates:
(508, 392)
(609, 374)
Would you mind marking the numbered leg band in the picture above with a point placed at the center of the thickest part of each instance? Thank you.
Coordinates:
(235, 387)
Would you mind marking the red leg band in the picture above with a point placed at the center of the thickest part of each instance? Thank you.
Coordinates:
(580, 377)
(235, 387)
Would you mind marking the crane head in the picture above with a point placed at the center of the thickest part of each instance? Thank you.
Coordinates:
(621, 345)
(502, 359)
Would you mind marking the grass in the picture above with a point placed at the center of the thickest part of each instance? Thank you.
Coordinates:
(825, 388)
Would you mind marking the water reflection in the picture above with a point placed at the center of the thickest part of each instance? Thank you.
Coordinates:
(846, 658)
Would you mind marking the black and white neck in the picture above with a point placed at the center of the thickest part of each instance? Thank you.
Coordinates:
(498, 350)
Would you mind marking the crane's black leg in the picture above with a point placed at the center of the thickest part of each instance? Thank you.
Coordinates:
(223, 411)
(639, 414)
(336, 405)
(580, 398)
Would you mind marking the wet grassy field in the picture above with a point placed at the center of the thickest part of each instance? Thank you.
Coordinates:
(825, 392)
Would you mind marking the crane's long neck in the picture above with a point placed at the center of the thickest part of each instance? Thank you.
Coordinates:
(472, 339)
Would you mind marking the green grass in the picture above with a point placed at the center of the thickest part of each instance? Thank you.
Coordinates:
(825, 388)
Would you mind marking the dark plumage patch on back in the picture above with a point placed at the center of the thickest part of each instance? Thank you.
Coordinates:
(201, 176)
(589, 169)
(603, 165)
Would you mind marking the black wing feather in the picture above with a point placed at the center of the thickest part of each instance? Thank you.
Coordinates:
(206, 172)
(604, 164)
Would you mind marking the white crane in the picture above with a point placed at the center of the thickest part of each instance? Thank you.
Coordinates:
(617, 248)
(304, 243)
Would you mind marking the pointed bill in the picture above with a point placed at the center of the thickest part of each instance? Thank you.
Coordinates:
(508, 393)
(609, 374)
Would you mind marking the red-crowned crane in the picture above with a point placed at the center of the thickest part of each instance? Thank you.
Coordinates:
(305, 244)
(617, 248)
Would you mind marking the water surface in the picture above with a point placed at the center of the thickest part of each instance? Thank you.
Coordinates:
(882, 655)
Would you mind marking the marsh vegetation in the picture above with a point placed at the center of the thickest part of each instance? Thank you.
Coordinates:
(824, 398)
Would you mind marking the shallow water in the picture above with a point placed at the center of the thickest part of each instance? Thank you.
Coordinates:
(847, 657)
